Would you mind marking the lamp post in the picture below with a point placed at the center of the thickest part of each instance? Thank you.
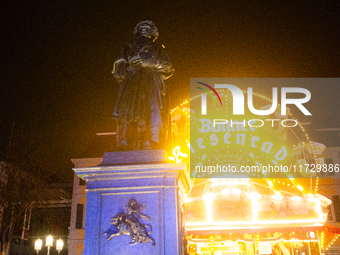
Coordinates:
(59, 245)
(38, 245)
(49, 243)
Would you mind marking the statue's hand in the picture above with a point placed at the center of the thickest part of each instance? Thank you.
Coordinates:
(135, 60)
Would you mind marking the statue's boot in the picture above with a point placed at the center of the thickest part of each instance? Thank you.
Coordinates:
(121, 135)
(147, 145)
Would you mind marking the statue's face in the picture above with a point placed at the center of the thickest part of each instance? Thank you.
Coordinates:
(145, 30)
(133, 202)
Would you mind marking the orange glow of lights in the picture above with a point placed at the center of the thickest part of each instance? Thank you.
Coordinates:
(176, 152)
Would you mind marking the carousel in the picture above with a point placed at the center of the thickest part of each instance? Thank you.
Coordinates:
(255, 179)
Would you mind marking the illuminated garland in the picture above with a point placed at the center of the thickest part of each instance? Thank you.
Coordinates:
(228, 243)
(332, 242)
(322, 240)
(254, 198)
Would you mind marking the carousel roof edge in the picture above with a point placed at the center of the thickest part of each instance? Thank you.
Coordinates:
(289, 228)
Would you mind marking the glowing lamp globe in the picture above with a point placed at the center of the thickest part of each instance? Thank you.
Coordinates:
(59, 245)
(38, 245)
(49, 241)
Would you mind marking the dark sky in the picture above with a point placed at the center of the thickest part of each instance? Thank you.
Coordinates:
(56, 83)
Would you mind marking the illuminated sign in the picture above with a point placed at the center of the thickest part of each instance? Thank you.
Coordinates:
(232, 141)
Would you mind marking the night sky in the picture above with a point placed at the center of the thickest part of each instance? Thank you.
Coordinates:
(57, 90)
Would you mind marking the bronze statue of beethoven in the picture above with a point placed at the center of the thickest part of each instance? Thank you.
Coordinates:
(141, 109)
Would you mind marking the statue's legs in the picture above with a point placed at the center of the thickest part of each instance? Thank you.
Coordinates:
(130, 137)
(122, 144)
(145, 143)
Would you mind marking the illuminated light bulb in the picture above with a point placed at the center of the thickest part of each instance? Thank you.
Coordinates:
(59, 245)
(49, 240)
(38, 245)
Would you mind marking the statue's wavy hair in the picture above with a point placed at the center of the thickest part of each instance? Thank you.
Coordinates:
(151, 24)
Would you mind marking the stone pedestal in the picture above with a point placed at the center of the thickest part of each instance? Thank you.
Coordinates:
(146, 177)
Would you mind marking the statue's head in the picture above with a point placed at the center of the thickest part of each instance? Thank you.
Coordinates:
(132, 202)
(146, 29)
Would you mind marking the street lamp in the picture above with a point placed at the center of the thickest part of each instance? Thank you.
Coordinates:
(59, 245)
(49, 243)
(38, 245)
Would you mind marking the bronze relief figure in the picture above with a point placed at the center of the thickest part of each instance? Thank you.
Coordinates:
(128, 224)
